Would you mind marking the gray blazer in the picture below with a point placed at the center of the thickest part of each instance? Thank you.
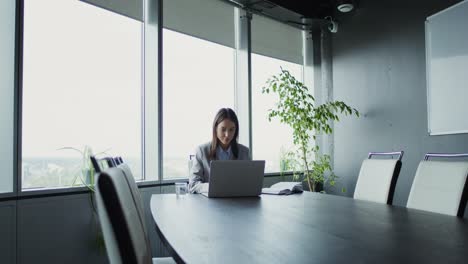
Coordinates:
(200, 173)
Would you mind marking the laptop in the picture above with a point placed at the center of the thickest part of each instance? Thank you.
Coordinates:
(236, 178)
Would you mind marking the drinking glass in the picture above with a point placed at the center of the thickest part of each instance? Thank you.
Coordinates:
(181, 189)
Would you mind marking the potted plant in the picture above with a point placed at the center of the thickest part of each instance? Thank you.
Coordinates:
(85, 175)
(296, 108)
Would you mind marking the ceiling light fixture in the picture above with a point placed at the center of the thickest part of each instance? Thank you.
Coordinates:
(345, 6)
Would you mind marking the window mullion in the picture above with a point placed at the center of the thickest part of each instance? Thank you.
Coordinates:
(243, 97)
(151, 97)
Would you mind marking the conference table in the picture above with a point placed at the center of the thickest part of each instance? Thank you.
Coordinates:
(304, 228)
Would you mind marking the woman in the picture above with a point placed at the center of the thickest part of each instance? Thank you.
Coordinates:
(223, 146)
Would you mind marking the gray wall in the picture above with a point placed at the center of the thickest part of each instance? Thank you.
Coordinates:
(63, 229)
(379, 68)
(59, 229)
(8, 232)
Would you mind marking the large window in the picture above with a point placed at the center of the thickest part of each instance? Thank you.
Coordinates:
(198, 76)
(274, 46)
(7, 88)
(270, 139)
(198, 80)
(82, 86)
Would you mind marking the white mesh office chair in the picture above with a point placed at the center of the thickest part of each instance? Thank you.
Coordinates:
(440, 186)
(377, 178)
(121, 221)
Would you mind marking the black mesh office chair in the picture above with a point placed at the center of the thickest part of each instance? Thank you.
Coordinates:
(122, 217)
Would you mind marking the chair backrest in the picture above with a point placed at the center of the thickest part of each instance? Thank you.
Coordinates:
(124, 235)
(440, 187)
(118, 160)
(377, 178)
(135, 192)
(102, 163)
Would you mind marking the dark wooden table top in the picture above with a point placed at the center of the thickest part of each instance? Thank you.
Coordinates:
(305, 228)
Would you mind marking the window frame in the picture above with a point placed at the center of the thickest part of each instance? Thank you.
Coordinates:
(152, 91)
(17, 64)
(47, 191)
(234, 93)
(275, 173)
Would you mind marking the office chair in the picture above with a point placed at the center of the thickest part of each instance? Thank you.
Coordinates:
(102, 163)
(440, 186)
(134, 191)
(122, 218)
(118, 160)
(377, 178)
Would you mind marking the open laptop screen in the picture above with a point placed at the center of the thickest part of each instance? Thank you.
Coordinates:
(236, 178)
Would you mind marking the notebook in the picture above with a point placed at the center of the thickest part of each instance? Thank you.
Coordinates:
(236, 178)
(285, 188)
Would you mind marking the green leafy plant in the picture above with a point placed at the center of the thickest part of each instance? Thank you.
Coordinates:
(296, 108)
(85, 175)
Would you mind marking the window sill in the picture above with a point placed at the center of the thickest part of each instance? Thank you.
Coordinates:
(59, 191)
(278, 174)
(62, 191)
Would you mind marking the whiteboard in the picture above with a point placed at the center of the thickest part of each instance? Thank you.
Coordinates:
(447, 70)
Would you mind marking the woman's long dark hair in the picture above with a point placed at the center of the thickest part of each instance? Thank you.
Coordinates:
(224, 113)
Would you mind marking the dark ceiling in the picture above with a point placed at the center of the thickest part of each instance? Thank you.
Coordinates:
(303, 14)
(308, 8)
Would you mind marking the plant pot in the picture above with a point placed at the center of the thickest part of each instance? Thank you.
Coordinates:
(318, 187)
